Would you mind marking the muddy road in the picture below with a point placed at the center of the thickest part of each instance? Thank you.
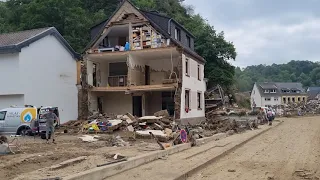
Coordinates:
(289, 151)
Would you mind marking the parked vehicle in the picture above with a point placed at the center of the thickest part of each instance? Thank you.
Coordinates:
(20, 120)
(16, 120)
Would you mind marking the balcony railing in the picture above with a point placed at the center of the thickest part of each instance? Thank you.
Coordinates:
(117, 81)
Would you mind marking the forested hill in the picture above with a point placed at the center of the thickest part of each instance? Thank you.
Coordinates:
(73, 19)
(306, 72)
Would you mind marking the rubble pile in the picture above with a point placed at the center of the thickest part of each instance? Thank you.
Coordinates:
(301, 108)
(228, 120)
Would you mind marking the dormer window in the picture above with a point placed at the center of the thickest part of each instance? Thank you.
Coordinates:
(177, 34)
(266, 91)
(272, 91)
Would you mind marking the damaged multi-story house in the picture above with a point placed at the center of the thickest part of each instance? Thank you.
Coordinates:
(142, 62)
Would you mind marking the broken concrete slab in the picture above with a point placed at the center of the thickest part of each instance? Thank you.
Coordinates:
(149, 119)
(68, 163)
(162, 113)
(157, 133)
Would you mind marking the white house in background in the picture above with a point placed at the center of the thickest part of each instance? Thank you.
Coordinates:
(270, 94)
(39, 67)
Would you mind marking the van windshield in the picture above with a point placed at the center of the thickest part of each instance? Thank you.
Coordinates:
(2, 115)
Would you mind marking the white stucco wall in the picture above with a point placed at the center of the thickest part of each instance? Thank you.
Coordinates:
(255, 96)
(49, 76)
(272, 101)
(192, 83)
(260, 99)
(10, 74)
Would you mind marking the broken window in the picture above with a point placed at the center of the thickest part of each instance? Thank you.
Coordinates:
(187, 66)
(188, 41)
(187, 99)
(199, 100)
(199, 78)
(177, 34)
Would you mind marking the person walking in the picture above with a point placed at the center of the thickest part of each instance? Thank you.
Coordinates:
(51, 120)
(270, 116)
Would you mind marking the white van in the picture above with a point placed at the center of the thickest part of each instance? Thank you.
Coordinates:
(16, 120)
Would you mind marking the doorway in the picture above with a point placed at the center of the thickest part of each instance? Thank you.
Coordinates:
(147, 75)
(100, 105)
(137, 105)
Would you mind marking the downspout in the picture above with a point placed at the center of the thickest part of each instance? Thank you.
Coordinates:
(169, 26)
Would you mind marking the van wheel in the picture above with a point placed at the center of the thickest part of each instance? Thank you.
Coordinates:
(24, 130)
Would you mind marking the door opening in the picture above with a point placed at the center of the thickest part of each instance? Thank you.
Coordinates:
(100, 105)
(147, 75)
(94, 74)
(137, 105)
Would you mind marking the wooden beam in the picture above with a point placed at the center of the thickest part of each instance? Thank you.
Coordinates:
(78, 72)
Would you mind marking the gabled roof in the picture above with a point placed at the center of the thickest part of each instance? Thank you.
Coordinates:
(15, 41)
(164, 32)
(168, 18)
(278, 87)
(313, 92)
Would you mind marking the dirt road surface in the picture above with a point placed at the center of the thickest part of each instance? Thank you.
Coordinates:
(290, 151)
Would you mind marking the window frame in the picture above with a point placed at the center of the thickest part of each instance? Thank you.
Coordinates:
(187, 98)
(187, 64)
(177, 34)
(4, 117)
(267, 99)
(188, 41)
(199, 72)
(199, 100)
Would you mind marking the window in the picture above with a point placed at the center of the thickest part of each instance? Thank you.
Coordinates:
(187, 99)
(284, 100)
(288, 99)
(187, 66)
(199, 100)
(266, 91)
(275, 99)
(267, 99)
(2, 115)
(177, 34)
(293, 99)
(273, 91)
(189, 41)
(303, 99)
(299, 99)
(199, 76)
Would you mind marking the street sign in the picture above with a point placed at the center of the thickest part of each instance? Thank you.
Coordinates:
(183, 135)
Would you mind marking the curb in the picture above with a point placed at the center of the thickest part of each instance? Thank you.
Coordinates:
(215, 137)
(110, 170)
(185, 175)
(107, 171)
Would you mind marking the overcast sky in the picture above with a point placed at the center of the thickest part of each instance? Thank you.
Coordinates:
(266, 31)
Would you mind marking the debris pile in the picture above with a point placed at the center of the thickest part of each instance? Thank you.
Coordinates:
(298, 109)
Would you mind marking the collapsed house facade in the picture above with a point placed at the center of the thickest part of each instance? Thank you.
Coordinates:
(142, 62)
(272, 94)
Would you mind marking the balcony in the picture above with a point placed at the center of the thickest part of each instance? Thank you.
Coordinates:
(117, 81)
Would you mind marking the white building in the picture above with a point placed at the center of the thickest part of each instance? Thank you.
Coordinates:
(158, 70)
(271, 94)
(38, 67)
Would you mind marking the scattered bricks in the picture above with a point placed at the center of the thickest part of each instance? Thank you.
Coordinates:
(68, 163)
